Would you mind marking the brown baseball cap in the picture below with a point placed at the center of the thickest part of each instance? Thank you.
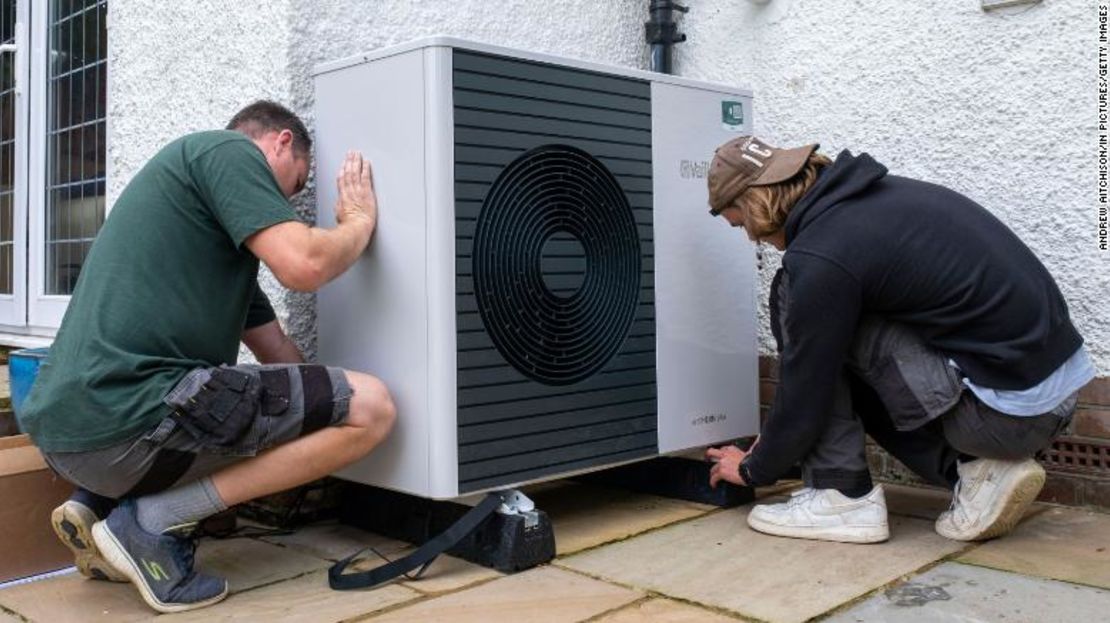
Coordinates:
(746, 161)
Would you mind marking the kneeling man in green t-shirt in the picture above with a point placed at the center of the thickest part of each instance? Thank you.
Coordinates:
(140, 399)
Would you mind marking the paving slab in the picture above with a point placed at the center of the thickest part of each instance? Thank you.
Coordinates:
(921, 502)
(73, 598)
(305, 599)
(958, 593)
(1060, 543)
(585, 516)
(541, 595)
(665, 611)
(332, 540)
(248, 563)
(718, 561)
(448, 573)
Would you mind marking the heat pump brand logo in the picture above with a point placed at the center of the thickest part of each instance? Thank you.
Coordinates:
(732, 116)
(708, 418)
(690, 169)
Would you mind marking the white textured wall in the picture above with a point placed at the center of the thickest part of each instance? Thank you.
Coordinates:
(182, 66)
(995, 105)
(178, 67)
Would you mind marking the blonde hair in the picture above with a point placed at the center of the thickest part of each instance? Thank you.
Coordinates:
(768, 206)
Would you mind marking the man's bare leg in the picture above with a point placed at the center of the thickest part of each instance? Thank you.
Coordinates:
(158, 558)
(316, 455)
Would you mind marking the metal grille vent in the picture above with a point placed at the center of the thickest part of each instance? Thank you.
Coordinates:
(557, 264)
(554, 269)
(1077, 454)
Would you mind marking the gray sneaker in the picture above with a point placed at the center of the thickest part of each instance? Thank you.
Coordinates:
(72, 523)
(160, 565)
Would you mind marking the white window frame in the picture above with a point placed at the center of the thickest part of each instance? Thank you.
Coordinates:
(29, 314)
(13, 307)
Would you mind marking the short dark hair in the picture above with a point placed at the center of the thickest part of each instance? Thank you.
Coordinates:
(267, 116)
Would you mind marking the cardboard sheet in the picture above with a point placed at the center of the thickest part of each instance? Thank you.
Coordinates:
(29, 491)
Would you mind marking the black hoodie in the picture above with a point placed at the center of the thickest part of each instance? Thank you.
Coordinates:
(864, 242)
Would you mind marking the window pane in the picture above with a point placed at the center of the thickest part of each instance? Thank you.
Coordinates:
(75, 139)
(7, 145)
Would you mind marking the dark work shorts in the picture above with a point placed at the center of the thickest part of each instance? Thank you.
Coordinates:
(282, 403)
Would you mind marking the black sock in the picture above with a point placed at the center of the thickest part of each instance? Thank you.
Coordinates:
(951, 475)
(857, 491)
(98, 504)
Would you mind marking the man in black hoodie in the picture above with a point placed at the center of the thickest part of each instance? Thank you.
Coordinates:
(908, 312)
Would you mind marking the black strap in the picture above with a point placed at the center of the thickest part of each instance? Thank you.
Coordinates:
(423, 556)
(319, 398)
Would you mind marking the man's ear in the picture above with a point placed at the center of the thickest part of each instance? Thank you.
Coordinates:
(285, 139)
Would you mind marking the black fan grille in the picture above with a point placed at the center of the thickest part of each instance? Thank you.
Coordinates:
(519, 418)
(557, 264)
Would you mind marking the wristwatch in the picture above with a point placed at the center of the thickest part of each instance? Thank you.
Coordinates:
(745, 475)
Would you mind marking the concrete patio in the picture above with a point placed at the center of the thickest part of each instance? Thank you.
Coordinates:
(631, 557)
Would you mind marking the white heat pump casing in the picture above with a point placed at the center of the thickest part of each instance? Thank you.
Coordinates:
(393, 314)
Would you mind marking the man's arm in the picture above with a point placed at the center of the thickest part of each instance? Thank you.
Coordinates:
(270, 344)
(824, 303)
(304, 258)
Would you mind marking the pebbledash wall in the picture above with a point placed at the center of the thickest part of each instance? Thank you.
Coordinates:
(178, 67)
(997, 105)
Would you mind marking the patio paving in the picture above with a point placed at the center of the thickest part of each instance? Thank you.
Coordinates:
(958, 593)
(630, 557)
(306, 599)
(1062, 544)
(725, 564)
(664, 611)
(572, 509)
(250, 563)
(543, 594)
(72, 598)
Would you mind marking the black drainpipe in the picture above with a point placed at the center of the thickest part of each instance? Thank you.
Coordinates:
(661, 32)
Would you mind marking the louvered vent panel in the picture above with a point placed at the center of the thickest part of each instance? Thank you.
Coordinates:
(555, 269)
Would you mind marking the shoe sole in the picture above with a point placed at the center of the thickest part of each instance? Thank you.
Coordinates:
(1026, 485)
(119, 559)
(72, 523)
(869, 534)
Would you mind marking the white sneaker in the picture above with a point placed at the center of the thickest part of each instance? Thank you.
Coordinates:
(990, 498)
(825, 515)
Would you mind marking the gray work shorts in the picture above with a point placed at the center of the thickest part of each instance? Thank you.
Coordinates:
(221, 416)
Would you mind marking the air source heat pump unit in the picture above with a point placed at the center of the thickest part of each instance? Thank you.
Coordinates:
(546, 293)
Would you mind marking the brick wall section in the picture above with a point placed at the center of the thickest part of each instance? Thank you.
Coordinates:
(1075, 485)
(1092, 418)
(1085, 485)
(768, 384)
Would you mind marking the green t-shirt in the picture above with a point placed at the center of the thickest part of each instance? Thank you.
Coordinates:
(168, 286)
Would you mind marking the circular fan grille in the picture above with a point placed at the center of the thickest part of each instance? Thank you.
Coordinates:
(556, 264)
